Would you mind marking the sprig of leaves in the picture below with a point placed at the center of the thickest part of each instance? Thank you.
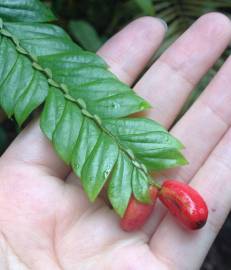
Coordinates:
(86, 106)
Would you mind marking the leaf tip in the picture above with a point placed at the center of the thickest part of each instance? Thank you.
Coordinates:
(144, 105)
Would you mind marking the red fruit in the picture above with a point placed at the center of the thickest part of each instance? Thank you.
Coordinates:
(137, 213)
(185, 203)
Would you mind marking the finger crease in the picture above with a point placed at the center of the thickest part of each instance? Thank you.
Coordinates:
(179, 72)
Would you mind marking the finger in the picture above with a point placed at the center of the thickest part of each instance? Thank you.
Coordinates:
(170, 80)
(213, 182)
(129, 51)
(136, 43)
(200, 129)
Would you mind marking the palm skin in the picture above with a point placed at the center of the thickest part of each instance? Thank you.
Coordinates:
(50, 225)
(46, 221)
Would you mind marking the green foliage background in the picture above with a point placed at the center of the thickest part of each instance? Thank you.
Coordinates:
(92, 22)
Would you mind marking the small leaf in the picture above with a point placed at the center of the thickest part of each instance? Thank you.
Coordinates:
(42, 39)
(25, 10)
(71, 61)
(52, 112)
(99, 165)
(163, 158)
(67, 130)
(99, 89)
(140, 186)
(8, 58)
(86, 77)
(150, 143)
(34, 95)
(132, 126)
(16, 84)
(120, 184)
(87, 139)
(85, 34)
(118, 105)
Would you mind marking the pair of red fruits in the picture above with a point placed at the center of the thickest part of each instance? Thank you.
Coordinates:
(185, 203)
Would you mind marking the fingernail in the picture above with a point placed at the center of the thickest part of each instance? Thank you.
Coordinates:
(164, 23)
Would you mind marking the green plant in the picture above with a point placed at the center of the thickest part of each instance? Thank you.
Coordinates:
(86, 106)
(85, 34)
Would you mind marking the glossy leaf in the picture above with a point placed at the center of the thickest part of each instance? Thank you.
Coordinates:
(98, 166)
(87, 77)
(163, 158)
(120, 185)
(19, 83)
(42, 39)
(31, 98)
(150, 142)
(88, 138)
(25, 11)
(85, 106)
(52, 111)
(67, 130)
(140, 185)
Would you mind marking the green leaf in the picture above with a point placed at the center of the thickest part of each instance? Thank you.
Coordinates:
(42, 39)
(86, 76)
(70, 61)
(120, 185)
(140, 185)
(31, 98)
(150, 143)
(67, 130)
(146, 6)
(52, 111)
(118, 105)
(163, 158)
(7, 49)
(83, 115)
(132, 126)
(88, 138)
(15, 84)
(85, 34)
(98, 166)
(25, 11)
(19, 83)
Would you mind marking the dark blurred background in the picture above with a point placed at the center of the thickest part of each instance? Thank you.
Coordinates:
(92, 22)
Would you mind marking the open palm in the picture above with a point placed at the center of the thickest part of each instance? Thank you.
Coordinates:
(46, 221)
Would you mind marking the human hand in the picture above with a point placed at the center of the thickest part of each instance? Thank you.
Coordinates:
(46, 221)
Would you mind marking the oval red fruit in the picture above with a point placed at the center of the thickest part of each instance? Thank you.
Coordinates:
(185, 203)
(137, 213)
